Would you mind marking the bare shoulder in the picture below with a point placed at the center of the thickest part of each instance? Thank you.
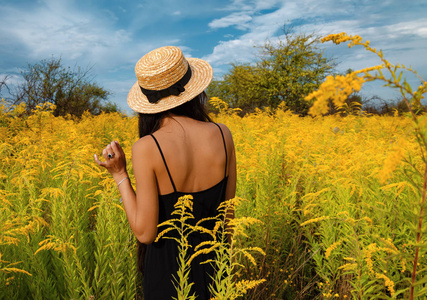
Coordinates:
(227, 134)
(143, 148)
(225, 130)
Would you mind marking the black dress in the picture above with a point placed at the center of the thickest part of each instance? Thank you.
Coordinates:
(160, 264)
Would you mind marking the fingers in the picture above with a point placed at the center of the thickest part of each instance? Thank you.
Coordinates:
(116, 148)
(102, 164)
(119, 146)
(111, 151)
(105, 153)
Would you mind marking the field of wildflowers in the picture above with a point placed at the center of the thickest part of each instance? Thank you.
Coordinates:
(340, 202)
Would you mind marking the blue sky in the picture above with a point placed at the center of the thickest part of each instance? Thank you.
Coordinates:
(111, 36)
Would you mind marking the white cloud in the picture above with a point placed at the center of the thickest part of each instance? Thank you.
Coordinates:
(267, 4)
(234, 51)
(239, 19)
(413, 27)
(243, 48)
(60, 29)
(239, 5)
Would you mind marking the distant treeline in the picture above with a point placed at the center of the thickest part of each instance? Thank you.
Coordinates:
(284, 74)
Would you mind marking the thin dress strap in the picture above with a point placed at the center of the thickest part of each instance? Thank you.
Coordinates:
(225, 148)
(164, 160)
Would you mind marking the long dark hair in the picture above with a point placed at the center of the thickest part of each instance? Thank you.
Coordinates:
(149, 123)
(195, 109)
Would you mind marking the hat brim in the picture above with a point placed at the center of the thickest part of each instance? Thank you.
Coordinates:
(201, 77)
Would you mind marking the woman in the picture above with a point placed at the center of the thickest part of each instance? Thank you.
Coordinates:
(180, 152)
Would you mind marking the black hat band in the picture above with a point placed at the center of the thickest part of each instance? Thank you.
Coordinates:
(175, 89)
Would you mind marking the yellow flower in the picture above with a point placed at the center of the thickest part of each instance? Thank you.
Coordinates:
(332, 248)
(337, 89)
(388, 283)
(391, 162)
(348, 267)
(368, 256)
(315, 220)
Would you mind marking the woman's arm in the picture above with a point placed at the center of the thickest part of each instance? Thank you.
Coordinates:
(232, 175)
(231, 168)
(230, 192)
(141, 208)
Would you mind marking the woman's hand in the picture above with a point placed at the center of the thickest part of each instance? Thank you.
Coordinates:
(115, 161)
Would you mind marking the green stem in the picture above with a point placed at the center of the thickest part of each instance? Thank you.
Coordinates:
(420, 223)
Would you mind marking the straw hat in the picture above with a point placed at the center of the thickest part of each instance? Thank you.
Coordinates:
(166, 79)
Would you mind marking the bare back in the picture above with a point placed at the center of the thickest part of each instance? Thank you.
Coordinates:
(194, 153)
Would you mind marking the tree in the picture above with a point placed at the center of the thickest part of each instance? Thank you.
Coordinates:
(240, 88)
(71, 90)
(217, 88)
(286, 72)
(3, 85)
